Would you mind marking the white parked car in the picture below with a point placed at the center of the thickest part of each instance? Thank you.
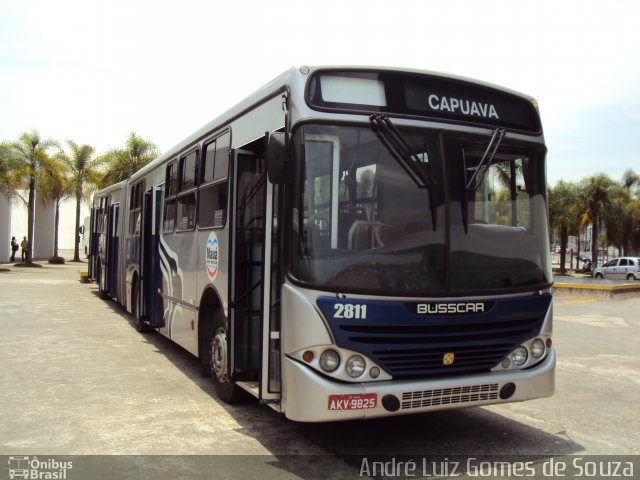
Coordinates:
(619, 269)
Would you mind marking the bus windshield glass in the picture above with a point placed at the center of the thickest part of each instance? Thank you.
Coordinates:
(362, 223)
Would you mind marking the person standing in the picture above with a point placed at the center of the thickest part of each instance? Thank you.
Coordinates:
(25, 247)
(14, 248)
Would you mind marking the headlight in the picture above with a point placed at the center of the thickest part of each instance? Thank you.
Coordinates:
(519, 356)
(537, 348)
(329, 360)
(355, 366)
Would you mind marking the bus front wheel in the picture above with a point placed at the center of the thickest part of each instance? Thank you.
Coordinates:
(226, 389)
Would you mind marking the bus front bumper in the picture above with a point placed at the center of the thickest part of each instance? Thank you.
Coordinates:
(310, 397)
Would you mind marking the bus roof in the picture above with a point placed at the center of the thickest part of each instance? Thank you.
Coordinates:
(296, 76)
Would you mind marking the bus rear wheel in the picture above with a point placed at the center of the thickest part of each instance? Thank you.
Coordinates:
(101, 293)
(226, 389)
(140, 324)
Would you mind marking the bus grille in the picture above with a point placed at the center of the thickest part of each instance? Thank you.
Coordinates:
(411, 346)
(449, 396)
(418, 351)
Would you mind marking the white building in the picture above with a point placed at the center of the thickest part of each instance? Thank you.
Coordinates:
(13, 223)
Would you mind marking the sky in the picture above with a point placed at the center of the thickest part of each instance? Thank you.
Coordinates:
(92, 71)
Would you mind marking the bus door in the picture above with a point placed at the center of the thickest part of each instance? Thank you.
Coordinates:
(249, 325)
(150, 274)
(111, 253)
(93, 243)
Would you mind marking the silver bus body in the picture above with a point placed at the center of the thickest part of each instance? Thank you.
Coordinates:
(176, 268)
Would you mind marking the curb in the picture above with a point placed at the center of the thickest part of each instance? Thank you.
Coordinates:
(602, 290)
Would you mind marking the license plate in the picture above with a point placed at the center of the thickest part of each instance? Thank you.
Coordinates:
(353, 401)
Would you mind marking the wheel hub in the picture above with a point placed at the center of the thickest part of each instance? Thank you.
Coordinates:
(219, 356)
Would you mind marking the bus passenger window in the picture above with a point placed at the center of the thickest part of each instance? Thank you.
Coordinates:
(136, 208)
(213, 205)
(222, 157)
(188, 171)
(208, 162)
(170, 190)
(215, 164)
(169, 219)
(171, 187)
(212, 196)
(186, 212)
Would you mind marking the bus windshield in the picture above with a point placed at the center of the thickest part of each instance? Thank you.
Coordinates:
(361, 223)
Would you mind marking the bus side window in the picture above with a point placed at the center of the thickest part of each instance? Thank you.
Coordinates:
(186, 208)
(186, 212)
(212, 203)
(171, 187)
(135, 206)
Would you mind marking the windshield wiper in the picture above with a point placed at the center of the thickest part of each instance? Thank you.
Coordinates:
(481, 170)
(418, 169)
(487, 158)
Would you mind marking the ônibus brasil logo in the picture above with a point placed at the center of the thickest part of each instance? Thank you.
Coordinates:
(212, 256)
(34, 468)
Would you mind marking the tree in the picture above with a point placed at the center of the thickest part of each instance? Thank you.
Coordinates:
(9, 178)
(615, 218)
(84, 176)
(27, 155)
(564, 214)
(596, 191)
(125, 162)
(54, 185)
(631, 181)
(631, 212)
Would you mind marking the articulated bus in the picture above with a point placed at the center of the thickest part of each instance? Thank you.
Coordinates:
(347, 242)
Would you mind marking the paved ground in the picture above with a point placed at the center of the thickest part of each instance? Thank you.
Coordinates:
(77, 379)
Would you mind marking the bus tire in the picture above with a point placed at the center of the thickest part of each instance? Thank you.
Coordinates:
(226, 389)
(139, 323)
(101, 293)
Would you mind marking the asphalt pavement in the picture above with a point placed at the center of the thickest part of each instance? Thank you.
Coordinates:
(78, 379)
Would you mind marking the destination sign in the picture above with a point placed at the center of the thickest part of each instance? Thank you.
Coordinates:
(432, 96)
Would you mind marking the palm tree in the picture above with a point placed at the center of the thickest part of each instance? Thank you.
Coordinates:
(9, 179)
(596, 191)
(564, 214)
(615, 219)
(125, 162)
(84, 176)
(631, 181)
(54, 185)
(631, 212)
(28, 154)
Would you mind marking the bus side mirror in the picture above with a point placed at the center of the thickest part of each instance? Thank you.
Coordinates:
(277, 159)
